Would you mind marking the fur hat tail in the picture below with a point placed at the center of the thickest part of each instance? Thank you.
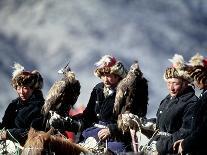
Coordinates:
(18, 68)
(198, 60)
(177, 61)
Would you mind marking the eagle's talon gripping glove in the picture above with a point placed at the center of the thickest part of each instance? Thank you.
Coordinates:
(64, 123)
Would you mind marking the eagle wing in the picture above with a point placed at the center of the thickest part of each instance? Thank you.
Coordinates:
(120, 97)
(54, 96)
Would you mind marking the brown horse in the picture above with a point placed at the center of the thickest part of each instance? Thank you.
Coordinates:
(41, 143)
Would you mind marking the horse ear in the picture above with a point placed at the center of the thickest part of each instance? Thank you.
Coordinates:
(31, 132)
(50, 131)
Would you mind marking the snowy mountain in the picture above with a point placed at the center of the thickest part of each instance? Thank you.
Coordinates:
(45, 35)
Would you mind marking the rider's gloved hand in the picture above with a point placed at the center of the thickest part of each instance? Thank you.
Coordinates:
(64, 123)
(57, 121)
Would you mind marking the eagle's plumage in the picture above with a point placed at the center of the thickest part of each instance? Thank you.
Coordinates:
(64, 91)
(132, 93)
(134, 124)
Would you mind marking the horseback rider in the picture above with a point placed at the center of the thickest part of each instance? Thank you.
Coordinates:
(195, 143)
(175, 113)
(26, 107)
(97, 120)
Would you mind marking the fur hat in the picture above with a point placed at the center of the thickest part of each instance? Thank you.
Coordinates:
(198, 73)
(20, 77)
(198, 68)
(178, 69)
(109, 65)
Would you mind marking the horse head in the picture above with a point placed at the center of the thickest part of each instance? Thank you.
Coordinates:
(40, 143)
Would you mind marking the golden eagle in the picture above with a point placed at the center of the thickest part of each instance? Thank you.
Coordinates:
(63, 94)
(132, 93)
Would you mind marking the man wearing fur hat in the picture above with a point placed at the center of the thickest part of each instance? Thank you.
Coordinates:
(195, 143)
(97, 120)
(174, 115)
(26, 107)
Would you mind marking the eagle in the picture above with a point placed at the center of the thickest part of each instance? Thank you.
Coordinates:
(140, 130)
(132, 93)
(63, 94)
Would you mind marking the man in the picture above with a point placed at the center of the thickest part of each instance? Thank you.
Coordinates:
(174, 115)
(26, 107)
(195, 143)
(98, 120)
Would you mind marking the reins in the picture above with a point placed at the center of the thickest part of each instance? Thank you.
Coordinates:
(5, 144)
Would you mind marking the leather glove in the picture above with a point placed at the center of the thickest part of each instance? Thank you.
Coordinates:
(58, 122)
(64, 123)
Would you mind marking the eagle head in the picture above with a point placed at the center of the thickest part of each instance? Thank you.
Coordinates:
(63, 94)
(134, 69)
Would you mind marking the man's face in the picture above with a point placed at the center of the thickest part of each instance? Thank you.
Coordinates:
(175, 86)
(24, 92)
(199, 84)
(110, 80)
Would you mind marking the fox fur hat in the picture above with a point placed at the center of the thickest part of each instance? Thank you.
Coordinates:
(109, 65)
(178, 69)
(20, 77)
(198, 68)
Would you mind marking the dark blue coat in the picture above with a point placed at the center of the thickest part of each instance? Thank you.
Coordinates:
(18, 117)
(196, 142)
(175, 116)
(100, 110)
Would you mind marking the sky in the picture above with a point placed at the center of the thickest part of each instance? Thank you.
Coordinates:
(46, 35)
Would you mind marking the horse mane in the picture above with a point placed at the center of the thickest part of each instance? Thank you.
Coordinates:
(62, 146)
(40, 142)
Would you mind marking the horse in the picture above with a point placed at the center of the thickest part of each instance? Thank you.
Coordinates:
(41, 143)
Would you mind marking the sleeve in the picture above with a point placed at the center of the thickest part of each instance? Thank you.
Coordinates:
(195, 140)
(9, 115)
(19, 135)
(113, 128)
(88, 117)
(39, 123)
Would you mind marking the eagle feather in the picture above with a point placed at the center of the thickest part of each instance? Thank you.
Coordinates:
(64, 91)
(132, 93)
